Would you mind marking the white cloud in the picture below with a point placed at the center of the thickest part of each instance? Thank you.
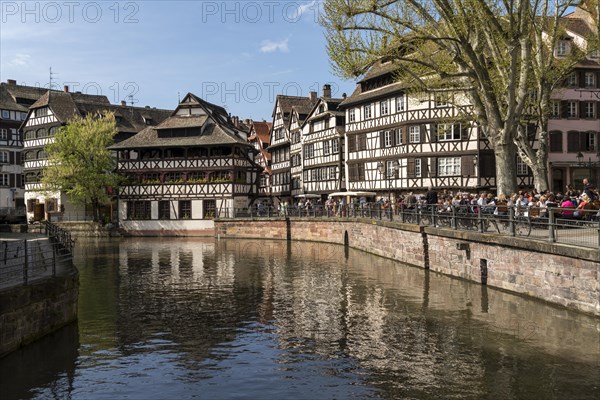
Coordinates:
(20, 60)
(269, 46)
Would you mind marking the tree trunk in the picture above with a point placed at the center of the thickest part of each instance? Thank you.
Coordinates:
(540, 177)
(506, 168)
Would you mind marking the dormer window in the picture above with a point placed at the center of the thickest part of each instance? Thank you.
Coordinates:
(562, 48)
(118, 119)
(590, 80)
(594, 55)
(148, 120)
(321, 108)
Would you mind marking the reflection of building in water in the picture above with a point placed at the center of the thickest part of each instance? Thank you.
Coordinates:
(404, 327)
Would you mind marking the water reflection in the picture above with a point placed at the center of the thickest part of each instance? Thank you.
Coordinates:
(178, 318)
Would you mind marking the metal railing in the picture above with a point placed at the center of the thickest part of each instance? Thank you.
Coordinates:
(553, 224)
(25, 261)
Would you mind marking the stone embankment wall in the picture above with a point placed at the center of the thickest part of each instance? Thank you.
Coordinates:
(556, 273)
(30, 312)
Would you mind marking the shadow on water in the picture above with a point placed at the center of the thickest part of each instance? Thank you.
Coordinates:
(48, 362)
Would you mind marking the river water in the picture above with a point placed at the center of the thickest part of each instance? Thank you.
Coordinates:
(176, 318)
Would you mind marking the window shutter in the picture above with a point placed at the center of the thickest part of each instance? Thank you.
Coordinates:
(410, 167)
(393, 136)
(487, 165)
(572, 142)
(433, 133)
(18, 158)
(11, 157)
(564, 109)
(381, 139)
(556, 142)
(581, 79)
(467, 167)
(404, 134)
(423, 133)
(19, 181)
(11, 180)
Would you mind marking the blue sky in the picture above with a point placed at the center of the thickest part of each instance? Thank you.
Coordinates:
(239, 54)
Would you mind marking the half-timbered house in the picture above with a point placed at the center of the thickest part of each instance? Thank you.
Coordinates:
(14, 105)
(259, 137)
(397, 141)
(574, 124)
(53, 110)
(194, 166)
(323, 167)
(285, 107)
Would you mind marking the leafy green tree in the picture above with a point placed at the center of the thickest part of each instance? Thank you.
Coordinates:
(79, 162)
(497, 55)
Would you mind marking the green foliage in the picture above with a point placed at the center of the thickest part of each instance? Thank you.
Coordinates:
(79, 162)
(498, 55)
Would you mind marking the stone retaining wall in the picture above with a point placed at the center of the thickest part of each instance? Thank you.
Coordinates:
(30, 312)
(556, 273)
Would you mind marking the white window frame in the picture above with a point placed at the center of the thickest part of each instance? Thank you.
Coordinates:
(589, 110)
(4, 157)
(572, 79)
(589, 80)
(562, 48)
(572, 109)
(326, 148)
(448, 132)
(414, 134)
(309, 151)
(332, 173)
(352, 115)
(521, 167)
(367, 111)
(387, 139)
(440, 100)
(5, 114)
(384, 107)
(335, 146)
(4, 179)
(398, 134)
(594, 55)
(418, 169)
(401, 103)
(449, 166)
(3, 134)
(591, 141)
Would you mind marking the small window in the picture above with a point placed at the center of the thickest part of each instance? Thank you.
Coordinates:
(400, 103)
(4, 179)
(449, 166)
(562, 48)
(590, 80)
(398, 136)
(571, 80)
(4, 157)
(5, 114)
(441, 100)
(335, 146)
(417, 168)
(446, 132)
(521, 167)
(555, 111)
(164, 210)
(589, 110)
(594, 55)
(3, 134)
(185, 209)
(387, 139)
(414, 134)
(367, 111)
(326, 148)
(352, 115)
(572, 109)
(384, 107)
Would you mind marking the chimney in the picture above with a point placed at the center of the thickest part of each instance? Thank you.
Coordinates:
(327, 91)
(344, 96)
(247, 121)
(11, 82)
(313, 97)
(123, 103)
(66, 88)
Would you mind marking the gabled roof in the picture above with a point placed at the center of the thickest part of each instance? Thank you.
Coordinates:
(262, 130)
(332, 108)
(358, 96)
(215, 126)
(301, 104)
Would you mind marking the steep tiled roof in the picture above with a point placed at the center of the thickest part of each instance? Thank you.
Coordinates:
(8, 102)
(302, 105)
(262, 130)
(359, 96)
(216, 129)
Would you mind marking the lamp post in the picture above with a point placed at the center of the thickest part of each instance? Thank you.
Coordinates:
(590, 165)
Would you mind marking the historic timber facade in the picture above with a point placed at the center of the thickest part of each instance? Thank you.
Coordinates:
(281, 184)
(260, 137)
(194, 166)
(323, 167)
(396, 141)
(51, 111)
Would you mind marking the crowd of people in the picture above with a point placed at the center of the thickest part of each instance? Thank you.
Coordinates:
(571, 202)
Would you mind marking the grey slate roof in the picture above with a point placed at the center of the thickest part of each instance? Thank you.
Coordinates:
(302, 105)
